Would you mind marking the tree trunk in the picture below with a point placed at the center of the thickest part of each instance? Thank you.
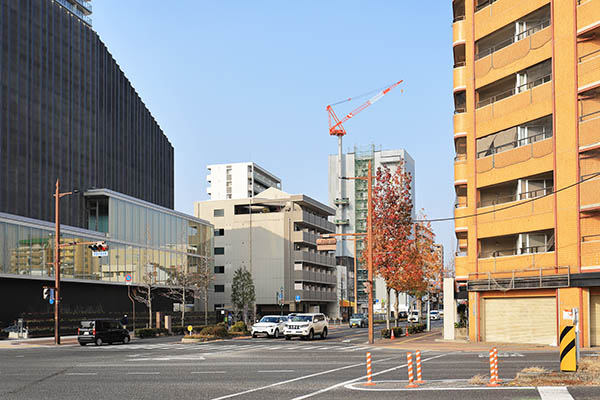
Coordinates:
(150, 306)
(245, 314)
(206, 307)
(183, 311)
(396, 307)
(387, 307)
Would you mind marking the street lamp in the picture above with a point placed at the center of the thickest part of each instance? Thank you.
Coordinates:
(57, 296)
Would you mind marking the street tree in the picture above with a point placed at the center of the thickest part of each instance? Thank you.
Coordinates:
(242, 292)
(203, 277)
(143, 293)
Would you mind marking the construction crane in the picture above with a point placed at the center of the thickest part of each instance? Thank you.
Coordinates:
(335, 125)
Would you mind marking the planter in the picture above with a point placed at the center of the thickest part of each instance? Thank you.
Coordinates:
(460, 333)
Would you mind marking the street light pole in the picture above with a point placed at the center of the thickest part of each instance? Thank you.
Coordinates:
(57, 295)
(370, 243)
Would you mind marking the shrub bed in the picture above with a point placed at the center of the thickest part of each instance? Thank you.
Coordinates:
(387, 333)
(150, 332)
(219, 331)
(239, 327)
(415, 328)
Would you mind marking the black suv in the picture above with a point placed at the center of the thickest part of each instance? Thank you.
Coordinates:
(100, 331)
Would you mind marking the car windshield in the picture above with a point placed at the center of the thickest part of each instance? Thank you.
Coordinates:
(358, 316)
(270, 319)
(302, 318)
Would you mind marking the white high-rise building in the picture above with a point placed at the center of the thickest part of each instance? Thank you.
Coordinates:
(350, 201)
(239, 180)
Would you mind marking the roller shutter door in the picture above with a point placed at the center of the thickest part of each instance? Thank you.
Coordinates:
(520, 320)
(595, 320)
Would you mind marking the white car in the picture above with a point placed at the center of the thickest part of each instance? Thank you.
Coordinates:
(306, 326)
(270, 325)
(434, 315)
(413, 316)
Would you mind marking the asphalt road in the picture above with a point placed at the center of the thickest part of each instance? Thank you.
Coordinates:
(259, 368)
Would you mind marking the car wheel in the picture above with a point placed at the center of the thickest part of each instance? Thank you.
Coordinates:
(311, 335)
(288, 337)
(324, 333)
(349, 326)
(98, 342)
(276, 334)
(126, 339)
(82, 344)
(254, 335)
(362, 324)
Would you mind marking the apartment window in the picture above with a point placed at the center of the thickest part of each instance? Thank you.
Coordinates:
(219, 269)
(220, 232)
(219, 288)
(219, 251)
(517, 136)
(219, 212)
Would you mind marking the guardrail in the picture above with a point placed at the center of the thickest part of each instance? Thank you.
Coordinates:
(534, 278)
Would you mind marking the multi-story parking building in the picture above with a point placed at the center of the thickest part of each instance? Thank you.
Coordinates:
(273, 235)
(527, 134)
(68, 112)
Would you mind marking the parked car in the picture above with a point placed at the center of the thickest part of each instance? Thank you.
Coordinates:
(306, 326)
(434, 315)
(359, 320)
(441, 313)
(270, 325)
(100, 331)
(402, 314)
(413, 316)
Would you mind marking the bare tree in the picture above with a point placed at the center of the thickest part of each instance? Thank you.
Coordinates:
(202, 278)
(143, 292)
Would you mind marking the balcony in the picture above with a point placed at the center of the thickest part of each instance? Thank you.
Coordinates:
(344, 201)
(589, 131)
(529, 278)
(460, 78)
(589, 68)
(317, 295)
(516, 262)
(305, 237)
(314, 258)
(515, 106)
(492, 15)
(588, 14)
(313, 276)
(314, 221)
(461, 265)
(345, 221)
(588, 193)
(514, 54)
(76, 11)
(459, 32)
(460, 170)
(461, 122)
(590, 250)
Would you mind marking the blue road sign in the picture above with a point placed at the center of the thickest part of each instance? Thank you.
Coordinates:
(297, 298)
(51, 296)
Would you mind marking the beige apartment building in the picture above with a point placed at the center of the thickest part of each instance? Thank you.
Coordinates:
(273, 235)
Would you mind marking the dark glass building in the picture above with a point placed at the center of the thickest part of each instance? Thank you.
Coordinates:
(68, 111)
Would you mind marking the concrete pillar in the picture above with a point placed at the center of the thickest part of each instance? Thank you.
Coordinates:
(168, 323)
(449, 309)
(158, 319)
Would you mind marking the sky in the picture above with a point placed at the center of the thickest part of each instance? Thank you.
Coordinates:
(237, 80)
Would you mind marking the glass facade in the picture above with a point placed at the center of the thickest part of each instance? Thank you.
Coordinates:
(143, 239)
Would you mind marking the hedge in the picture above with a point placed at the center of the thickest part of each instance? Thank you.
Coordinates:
(415, 328)
(182, 330)
(387, 333)
(239, 326)
(150, 332)
(217, 331)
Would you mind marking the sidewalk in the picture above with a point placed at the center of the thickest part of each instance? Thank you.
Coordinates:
(433, 341)
(36, 342)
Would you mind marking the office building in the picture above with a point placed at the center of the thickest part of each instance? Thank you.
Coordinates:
(273, 235)
(350, 202)
(68, 112)
(238, 181)
(526, 78)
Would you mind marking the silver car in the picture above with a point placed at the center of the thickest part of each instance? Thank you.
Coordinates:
(269, 325)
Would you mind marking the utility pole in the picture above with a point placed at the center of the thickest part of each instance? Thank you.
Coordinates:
(370, 255)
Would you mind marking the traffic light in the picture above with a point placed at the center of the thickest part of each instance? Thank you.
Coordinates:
(46, 293)
(98, 246)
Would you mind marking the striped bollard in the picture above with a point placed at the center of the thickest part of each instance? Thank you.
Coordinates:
(411, 378)
(419, 377)
(496, 365)
(493, 372)
(369, 371)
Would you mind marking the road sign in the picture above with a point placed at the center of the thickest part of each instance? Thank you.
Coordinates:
(190, 328)
(298, 298)
(99, 253)
(51, 295)
(128, 279)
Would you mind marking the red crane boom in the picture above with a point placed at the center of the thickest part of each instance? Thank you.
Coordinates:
(335, 124)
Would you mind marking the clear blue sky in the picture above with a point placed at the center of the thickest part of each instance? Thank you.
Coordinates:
(238, 80)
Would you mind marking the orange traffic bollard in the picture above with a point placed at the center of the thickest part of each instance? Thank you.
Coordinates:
(392, 337)
(493, 369)
(411, 378)
(419, 377)
(369, 371)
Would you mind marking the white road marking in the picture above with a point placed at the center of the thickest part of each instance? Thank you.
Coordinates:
(306, 396)
(82, 373)
(297, 379)
(554, 393)
(346, 341)
(275, 370)
(208, 372)
(143, 373)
